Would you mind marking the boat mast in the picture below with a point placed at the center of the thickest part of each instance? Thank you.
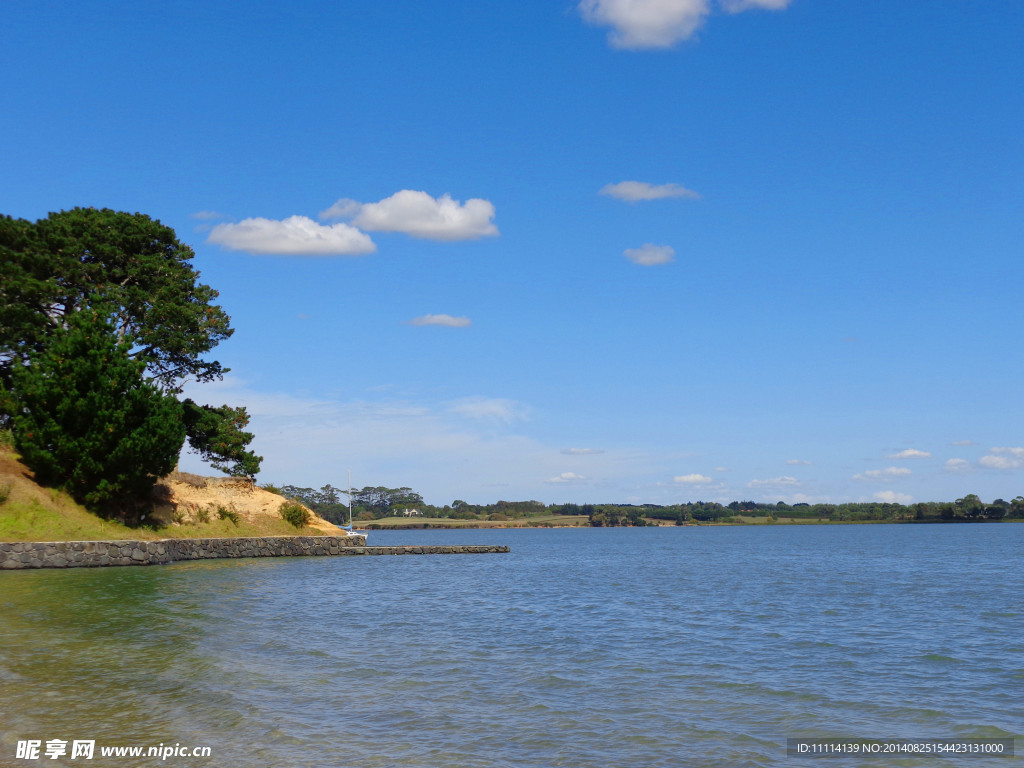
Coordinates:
(350, 499)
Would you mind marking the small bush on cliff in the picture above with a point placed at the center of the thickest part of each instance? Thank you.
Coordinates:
(295, 514)
(227, 514)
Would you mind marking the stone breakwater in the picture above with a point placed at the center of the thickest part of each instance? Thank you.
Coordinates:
(86, 554)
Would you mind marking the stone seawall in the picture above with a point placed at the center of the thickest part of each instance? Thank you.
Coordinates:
(86, 554)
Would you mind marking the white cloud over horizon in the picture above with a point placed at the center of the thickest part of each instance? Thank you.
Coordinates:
(694, 479)
(956, 465)
(650, 255)
(417, 214)
(635, 191)
(581, 451)
(294, 236)
(883, 474)
(447, 321)
(566, 477)
(648, 24)
(892, 497)
(798, 462)
(1003, 458)
(910, 453)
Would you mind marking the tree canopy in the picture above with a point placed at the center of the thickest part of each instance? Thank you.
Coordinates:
(134, 265)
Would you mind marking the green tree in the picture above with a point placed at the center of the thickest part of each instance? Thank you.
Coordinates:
(87, 422)
(135, 268)
(218, 435)
(970, 506)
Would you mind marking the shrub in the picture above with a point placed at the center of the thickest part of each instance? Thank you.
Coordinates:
(296, 514)
(227, 514)
(5, 491)
(203, 515)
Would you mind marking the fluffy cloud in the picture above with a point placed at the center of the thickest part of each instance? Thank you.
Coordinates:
(417, 214)
(957, 465)
(634, 191)
(774, 482)
(445, 320)
(891, 497)
(567, 477)
(910, 453)
(649, 255)
(1015, 452)
(883, 474)
(963, 442)
(294, 236)
(694, 479)
(581, 451)
(1003, 458)
(798, 462)
(659, 23)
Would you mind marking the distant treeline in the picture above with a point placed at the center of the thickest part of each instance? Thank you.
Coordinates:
(373, 503)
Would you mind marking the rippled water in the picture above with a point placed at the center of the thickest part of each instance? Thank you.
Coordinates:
(591, 648)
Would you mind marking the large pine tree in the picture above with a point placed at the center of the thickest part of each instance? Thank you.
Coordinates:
(88, 422)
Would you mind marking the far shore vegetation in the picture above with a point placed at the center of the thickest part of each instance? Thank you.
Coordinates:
(379, 507)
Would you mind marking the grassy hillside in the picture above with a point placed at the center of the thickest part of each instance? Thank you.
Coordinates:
(29, 512)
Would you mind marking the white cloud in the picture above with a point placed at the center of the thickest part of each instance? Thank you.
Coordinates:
(294, 236)
(634, 191)
(445, 320)
(963, 442)
(798, 462)
(910, 453)
(490, 408)
(694, 479)
(567, 477)
(883, 474)
(774, 482)
(581, 451)
(640, 24)
(207, 215)
(646, 23)
(342, 209)
(891, 497)
(417, 214)
(957, 465)
(1000, 462)
(1015, 452)
(649, 255)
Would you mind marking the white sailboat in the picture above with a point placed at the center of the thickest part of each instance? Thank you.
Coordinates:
(348, 529)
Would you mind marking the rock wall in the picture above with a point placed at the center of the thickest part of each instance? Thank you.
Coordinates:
(76, 554)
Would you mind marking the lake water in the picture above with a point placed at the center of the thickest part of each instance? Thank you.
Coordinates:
(590, 648)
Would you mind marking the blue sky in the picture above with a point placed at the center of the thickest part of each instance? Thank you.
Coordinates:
(611, 250)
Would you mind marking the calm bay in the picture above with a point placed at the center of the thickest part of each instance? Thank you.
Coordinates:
(591, 648)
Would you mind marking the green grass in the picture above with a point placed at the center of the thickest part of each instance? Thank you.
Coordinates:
(32, 520)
